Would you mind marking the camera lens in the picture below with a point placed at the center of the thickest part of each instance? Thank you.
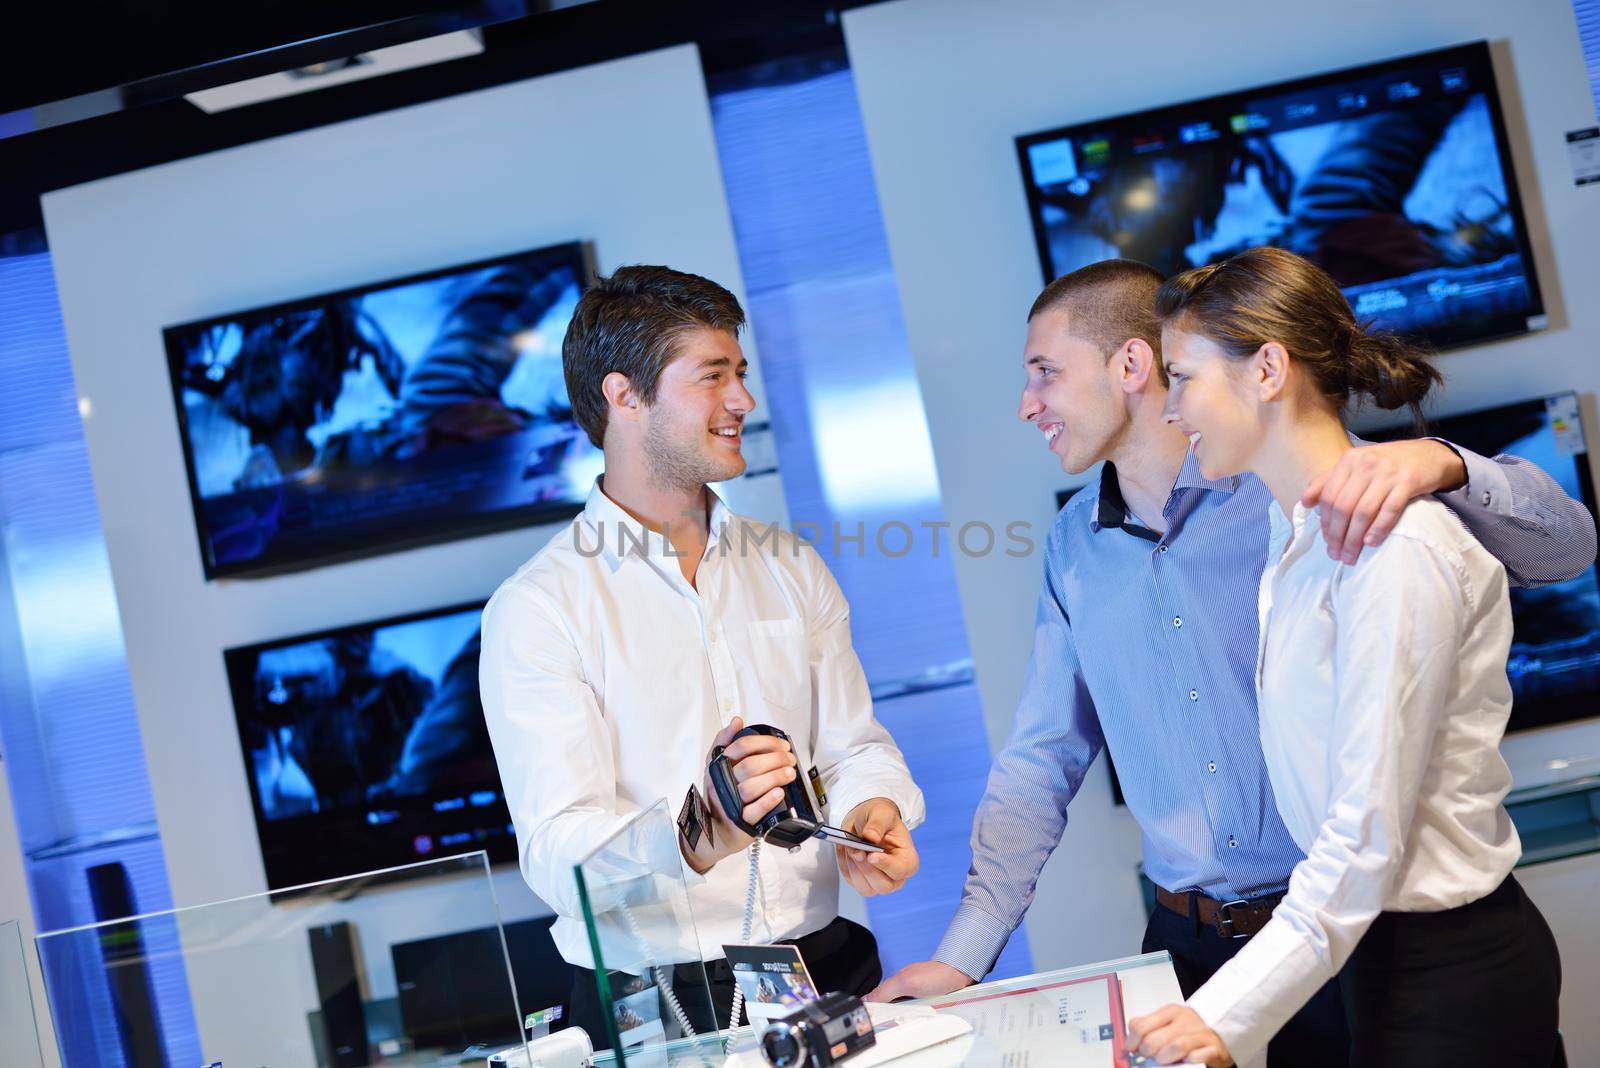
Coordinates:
(783, 1046)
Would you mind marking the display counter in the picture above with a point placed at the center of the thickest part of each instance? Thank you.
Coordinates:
(1069, 1018)
(640, 924)
(350, 974)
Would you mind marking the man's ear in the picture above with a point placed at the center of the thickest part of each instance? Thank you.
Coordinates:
(1269, 367)
(1136, 364)
(620, 396)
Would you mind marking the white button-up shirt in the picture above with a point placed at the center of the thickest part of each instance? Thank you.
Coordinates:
(1383, 697)
(605, 676)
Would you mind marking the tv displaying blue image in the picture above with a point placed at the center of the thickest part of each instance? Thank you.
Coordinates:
(395, 414)
(366, 747)
(1395, 178)
(1555, 646)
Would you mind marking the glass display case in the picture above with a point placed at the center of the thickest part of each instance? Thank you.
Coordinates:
(652, 983)
(19, 1036)
(339, 974)
(650, 974)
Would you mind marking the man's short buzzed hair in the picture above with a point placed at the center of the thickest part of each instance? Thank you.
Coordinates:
(1106, 304)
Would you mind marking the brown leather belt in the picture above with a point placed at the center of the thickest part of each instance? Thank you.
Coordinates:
(1230, 919)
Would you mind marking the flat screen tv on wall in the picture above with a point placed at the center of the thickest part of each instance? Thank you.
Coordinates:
(366, 747)
(394, 414)
(1555, 644)
(1395, 177)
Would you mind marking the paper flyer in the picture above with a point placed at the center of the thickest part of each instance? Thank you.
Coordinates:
(1088, 1029)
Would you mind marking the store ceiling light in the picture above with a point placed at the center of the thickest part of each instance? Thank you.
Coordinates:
(376, 63)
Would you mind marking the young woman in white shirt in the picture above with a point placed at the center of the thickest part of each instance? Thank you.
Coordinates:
(1383, 698)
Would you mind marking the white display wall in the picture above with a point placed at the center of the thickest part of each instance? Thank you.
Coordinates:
(945, 88)
(619, 154)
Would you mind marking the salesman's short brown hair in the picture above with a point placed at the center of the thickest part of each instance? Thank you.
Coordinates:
(631, 323)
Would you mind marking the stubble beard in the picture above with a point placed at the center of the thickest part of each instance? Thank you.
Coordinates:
(673, 465)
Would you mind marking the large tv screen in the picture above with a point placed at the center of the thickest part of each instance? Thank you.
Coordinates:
(395, 414)
(1395, 178)
(1555, 647)
(366, 747)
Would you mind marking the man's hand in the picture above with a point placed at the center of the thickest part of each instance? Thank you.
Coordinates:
(878, 821)
(924, 979)
(762, 767)
(1364, 494)
(1176, 1033)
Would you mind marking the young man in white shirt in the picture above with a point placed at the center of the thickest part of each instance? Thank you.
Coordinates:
(655, 627)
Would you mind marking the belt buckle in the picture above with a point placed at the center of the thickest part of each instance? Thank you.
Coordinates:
(1225, 924)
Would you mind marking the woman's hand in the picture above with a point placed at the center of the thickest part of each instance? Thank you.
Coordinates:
(1176, 1033)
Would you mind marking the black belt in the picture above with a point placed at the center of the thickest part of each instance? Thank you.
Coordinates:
(1230, 919)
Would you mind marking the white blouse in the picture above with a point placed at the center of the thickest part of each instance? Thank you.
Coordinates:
(1383, 697)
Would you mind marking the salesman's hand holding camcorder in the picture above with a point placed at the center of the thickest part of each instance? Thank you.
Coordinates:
(762, 766)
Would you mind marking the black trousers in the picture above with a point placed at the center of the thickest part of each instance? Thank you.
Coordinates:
(1475, 985)
(841, 956)
(1316, 1037)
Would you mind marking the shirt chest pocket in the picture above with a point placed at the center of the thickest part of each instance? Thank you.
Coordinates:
(779, 663)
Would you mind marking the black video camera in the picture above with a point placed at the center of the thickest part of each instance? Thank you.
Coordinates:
(793, 821)
(819, 1033)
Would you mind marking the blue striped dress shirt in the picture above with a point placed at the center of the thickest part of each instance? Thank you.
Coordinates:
(1146, 643)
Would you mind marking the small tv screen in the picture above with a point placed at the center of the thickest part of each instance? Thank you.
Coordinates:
(1395, 178)
(452, 995)
(396, 414)
(366, 747)
(1555, 647)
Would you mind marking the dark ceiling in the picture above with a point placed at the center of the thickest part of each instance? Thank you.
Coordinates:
(75, 48)
(148, 55)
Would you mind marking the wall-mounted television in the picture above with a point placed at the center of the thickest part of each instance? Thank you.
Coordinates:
(1396, 178)
(1555, 646)
(366, 747)
(390, 415)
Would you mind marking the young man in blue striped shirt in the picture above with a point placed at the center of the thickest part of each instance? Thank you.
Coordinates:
(1145, 642)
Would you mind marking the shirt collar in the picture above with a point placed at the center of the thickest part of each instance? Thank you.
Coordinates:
(1291, 534)
(718, 519)
(1112, 508)
(1189, 477)
(624, 535)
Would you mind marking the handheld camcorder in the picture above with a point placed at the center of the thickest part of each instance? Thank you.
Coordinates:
(793, 821)
(819, 1033)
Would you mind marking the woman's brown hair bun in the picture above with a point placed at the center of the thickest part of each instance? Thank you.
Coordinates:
(1270, 294)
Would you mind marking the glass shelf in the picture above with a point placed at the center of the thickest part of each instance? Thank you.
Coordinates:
(19, 1036)
(651, 978)
(1557, 821)
(340, 974)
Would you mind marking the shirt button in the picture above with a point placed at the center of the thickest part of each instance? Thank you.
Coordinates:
(1486, 498)
(1161, 549)
(727, 704)
(1233, 843)
(1177, 621)
(1211, 766)
(1194, 695)
(713, 637)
